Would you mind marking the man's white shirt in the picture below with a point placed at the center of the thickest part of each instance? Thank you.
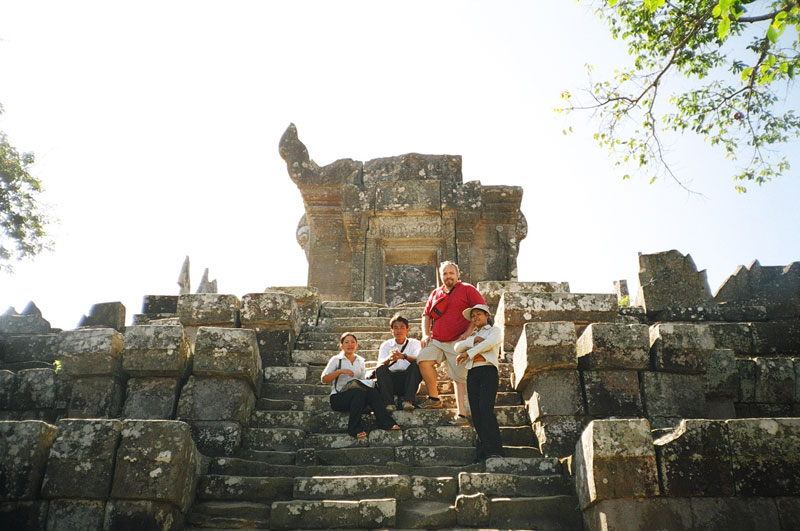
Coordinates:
(388, 346)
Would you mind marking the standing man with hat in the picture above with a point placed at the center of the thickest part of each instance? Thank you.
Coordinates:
(442, 325)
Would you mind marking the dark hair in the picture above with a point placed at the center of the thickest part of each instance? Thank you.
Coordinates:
(344, 336)
(398, 318)
(489, 318)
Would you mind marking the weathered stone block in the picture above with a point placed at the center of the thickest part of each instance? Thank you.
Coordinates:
(353, 487)
(81, 461)
(156, 351)
(670, 280)
(228, 352)
(674, 395)
(766, 456)
(554, 393)
(734, 336)
(734, 514)
(125, 514)
(276, 346)
(775, 380)
(91, 352)
(612, 394)
(35, 389)
(96, 397)
(472, 509)
(151, 398)
(28, 515)
(492, 290)
(24, 446)
(69, 515)
(680, 347)
(747, 379)
(105, 315)
(23, 324)
(156, 461)
(557, 435)
(20, 349)
(208, 309)
(615, 459)
(323, 514)
(722, 377)
(614, 346)
(776, 287)
(8, 382)
(307, 299)
(543, 346)
(160, 304)
(776, 337)
(216, 438)
(208, 398)
(270, 311)
(695, 460)
(516, 309)
(640, 514)
(430, 488)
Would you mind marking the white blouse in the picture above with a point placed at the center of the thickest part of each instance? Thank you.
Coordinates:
(489, 348)
(358, 367)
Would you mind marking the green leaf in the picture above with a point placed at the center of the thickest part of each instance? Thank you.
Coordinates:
(772, 34)
(723, 28)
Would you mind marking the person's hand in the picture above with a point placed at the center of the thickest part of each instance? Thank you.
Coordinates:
(425, 340)
(396, 355)
(460, 358)
(464, 336)
(348, 372)
(477, 340)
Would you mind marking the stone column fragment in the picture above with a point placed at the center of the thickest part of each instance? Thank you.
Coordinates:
(543, 346)
(81, 461)
(156, 462)
(276, 320)
(615, 459)
(614, 346)
(25, 446)
(684, 348)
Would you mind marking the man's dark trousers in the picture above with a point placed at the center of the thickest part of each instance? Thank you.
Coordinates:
(402, 383)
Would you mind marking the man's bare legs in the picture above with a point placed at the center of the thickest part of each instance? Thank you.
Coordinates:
(428, 372)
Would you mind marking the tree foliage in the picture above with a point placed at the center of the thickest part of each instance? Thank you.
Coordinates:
(740, 58)
(22, 222)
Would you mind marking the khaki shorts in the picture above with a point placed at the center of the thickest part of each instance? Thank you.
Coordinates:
(439, 351)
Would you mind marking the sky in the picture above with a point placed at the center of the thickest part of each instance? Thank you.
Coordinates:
(155, 127)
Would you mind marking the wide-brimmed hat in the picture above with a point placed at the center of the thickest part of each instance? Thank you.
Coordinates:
(468, 312)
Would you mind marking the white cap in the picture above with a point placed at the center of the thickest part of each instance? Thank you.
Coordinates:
(468, 312)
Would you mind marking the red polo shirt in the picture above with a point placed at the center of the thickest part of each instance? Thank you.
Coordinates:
(452, 324)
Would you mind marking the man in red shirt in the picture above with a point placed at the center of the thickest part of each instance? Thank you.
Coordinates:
(442, 325)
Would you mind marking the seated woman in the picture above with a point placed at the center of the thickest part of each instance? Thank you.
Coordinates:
(341, 369)
(481, 353)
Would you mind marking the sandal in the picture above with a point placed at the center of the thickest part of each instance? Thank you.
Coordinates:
(361, 435)
(395, 427)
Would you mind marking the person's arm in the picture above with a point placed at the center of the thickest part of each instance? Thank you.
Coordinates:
(412, 350)
(384, 354)
(492, 340)
(426, 330)
(330, 374)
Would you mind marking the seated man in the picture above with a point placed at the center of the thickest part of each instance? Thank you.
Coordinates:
(398, 372)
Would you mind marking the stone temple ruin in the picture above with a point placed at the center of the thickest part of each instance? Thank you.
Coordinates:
(679, 412)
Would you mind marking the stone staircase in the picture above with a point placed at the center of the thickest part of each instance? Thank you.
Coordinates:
(298, 469)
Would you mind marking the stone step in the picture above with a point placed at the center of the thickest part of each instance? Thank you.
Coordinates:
(273, 457)
(352, 487)
(229, 515)
(553, 513)
(285, 375)
(371, 455)
(440, 435)
(276, 404)
(349, 304)
(493, 484)
(366, 335)
(517, 436)
(281, 419)
(332, 346)
(327, 514)
(243, 467)
(275, 439)
(353, 324)
(213, 487)
(423, 514)
(293, 391)
(524, 466)
(435, 455)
